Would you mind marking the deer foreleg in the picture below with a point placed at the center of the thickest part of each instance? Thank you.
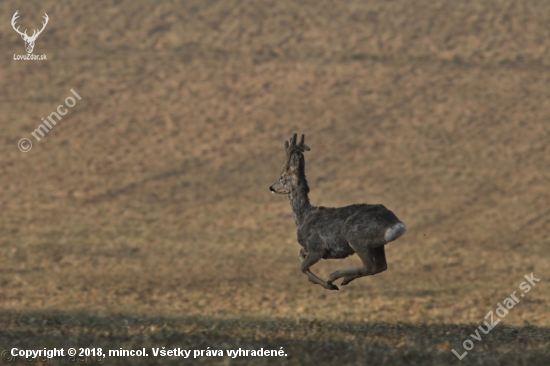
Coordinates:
(309, 260)
(302, 254)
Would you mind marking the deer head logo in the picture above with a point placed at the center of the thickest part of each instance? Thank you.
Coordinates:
(29, 41)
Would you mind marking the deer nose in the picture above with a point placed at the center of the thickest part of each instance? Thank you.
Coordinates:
(271, 189)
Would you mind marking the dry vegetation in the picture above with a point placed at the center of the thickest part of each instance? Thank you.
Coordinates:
(144, 217)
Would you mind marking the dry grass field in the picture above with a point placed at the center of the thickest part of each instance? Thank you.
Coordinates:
(144, 219)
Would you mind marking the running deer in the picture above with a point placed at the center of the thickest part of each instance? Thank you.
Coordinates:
(334, 233)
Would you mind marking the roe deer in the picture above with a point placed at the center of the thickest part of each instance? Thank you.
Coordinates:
(334, 233)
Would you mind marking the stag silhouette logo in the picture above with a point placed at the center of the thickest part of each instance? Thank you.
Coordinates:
(29, 40)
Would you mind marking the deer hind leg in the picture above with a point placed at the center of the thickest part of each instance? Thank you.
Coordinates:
(374, 261)
(309, 259)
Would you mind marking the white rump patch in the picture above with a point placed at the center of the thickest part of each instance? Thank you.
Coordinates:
(395, 232)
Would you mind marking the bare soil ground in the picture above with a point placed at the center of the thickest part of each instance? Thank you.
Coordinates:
(143, 218)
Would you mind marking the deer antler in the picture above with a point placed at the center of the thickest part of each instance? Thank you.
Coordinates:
(35, 33)
(15, 16)
(291, 146)
(43, 26)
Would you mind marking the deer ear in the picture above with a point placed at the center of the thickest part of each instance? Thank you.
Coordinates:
(295, 160)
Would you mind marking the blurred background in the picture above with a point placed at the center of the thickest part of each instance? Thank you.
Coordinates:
(148, 203)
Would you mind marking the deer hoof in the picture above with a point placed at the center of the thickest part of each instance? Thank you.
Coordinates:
(331, 286)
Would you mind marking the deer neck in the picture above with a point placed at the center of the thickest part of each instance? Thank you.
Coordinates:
(299, 201)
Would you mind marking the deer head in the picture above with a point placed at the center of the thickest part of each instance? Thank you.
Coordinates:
(293, 168)
(29, 41)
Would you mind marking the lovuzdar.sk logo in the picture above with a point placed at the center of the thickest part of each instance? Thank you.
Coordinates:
(29, 40)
